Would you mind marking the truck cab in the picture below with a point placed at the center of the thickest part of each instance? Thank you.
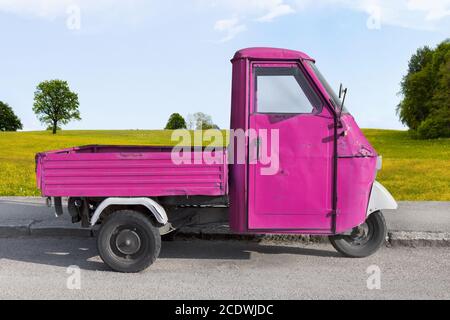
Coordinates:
(324, 180)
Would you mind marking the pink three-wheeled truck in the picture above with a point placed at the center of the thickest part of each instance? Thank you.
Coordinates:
(322, 183)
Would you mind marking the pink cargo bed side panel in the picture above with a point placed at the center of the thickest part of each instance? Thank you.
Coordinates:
(129, 172)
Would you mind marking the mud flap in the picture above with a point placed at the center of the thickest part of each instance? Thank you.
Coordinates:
(380, 199)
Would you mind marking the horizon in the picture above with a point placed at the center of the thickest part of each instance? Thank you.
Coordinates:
(221, 129)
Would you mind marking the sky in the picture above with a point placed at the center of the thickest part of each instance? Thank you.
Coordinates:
(135, 62)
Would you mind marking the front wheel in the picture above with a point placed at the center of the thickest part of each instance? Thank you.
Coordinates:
(363, 240)
(128, 241)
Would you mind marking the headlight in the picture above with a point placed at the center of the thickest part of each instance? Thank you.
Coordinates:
(379, 162)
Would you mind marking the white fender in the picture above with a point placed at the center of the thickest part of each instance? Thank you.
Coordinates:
(155, 208)
(380, 199)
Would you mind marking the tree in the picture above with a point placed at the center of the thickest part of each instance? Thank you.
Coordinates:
(176, 121)
(54, 103)
(200, 121)
(425, 107)
(50, 128)
(8, 119)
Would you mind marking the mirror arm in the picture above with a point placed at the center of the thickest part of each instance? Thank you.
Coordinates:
(342, 104)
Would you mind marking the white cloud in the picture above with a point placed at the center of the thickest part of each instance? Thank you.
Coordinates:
(434, 10)
(51, 9)
(231, 28)
(414, 14)
(248, 7)
(278, 11)
(40, 8)
(258, 10)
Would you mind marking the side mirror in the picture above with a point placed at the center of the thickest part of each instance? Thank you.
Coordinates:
(342, 96)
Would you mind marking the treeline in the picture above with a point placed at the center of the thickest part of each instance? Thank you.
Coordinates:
(196, 121)
(54, 105)
(425, 107)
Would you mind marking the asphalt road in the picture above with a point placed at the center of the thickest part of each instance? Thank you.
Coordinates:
(424, 216)
(37, 268)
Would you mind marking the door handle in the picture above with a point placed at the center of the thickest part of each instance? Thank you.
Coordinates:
(258, 141)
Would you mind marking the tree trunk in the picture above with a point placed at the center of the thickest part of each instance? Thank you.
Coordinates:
(55, 125)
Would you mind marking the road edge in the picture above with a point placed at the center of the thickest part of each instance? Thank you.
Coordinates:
(222, 232)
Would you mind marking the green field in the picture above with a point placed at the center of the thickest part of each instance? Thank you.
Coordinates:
(412, 169)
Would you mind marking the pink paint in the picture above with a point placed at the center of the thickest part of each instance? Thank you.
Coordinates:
(356, 174)
(107, 171)
(270, 54)
(298, 198)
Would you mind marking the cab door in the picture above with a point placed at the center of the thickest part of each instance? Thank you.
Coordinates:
(294, 192)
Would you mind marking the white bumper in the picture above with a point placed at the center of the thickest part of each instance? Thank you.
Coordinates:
(380, 199)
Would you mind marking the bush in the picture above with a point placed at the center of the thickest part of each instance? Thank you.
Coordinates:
(201, 121)
(425, 107)
(176, 121)
(8, 119)
(435, 126)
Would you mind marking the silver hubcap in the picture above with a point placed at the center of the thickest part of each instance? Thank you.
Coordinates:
(360, 235)
(128, 242)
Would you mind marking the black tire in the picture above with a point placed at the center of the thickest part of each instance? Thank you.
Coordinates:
(128, 241)
(360, 246)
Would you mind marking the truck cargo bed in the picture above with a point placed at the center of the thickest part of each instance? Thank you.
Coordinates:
(128, 171)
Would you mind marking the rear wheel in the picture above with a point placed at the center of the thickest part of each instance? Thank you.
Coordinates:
(128, 241)
(363, 240)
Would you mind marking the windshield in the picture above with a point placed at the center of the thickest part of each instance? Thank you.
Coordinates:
(334, 97)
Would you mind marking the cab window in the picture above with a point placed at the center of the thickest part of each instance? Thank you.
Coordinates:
(284, 90)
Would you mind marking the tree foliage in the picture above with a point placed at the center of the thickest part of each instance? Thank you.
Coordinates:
(176, 121)
(425, 107)
(54, 103)
(200, 121)
(8, 119)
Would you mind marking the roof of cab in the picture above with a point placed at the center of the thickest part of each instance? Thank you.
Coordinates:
(270, 53)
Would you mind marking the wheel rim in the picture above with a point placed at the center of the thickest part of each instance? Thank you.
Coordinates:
(360, 235)
(126, 242)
